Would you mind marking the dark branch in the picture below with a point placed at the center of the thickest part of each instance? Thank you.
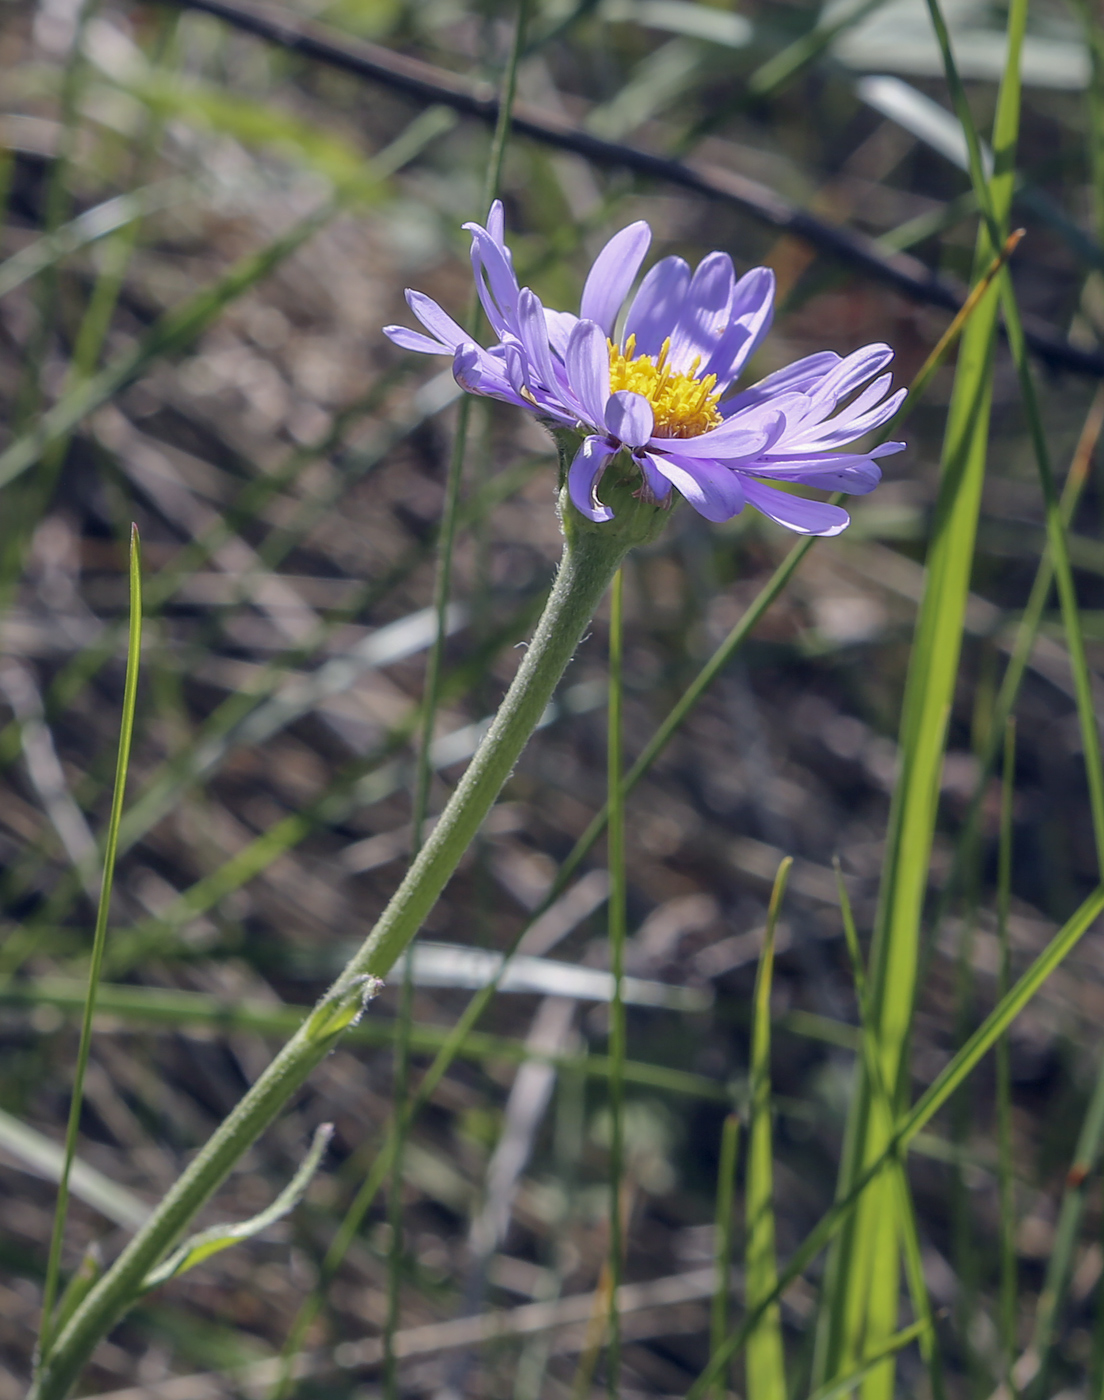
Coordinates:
(428, 83)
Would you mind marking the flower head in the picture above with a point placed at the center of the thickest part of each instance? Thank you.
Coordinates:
(662, 390)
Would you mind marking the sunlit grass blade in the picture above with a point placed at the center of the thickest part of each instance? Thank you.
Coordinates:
(861, 1307)
(906, 1214)
(766, 1368)
(723, 1217)
(99, 941)
(846, 1384)
(926, 1107)
(1006, 1184)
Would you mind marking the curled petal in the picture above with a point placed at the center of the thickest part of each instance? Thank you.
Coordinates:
(796, 512)
(533, 334)
(657, 304)
(407, 339)
(850, 374)
(799, 377)
(629, 418)
(436, 321)
(588, 371)
(713, 489)
(494, 279)
(855, 475)
(612, 274)
(656, 484)
(583, 476)
(496, 225)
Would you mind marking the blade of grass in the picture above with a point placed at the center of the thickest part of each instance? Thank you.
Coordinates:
(927, 1105)
(617, 911)
(1006, 1184)
(859, 1316)
(766, 1367)
(723, 1217)
(906, 1214)
(99, 941)
(896, 1343)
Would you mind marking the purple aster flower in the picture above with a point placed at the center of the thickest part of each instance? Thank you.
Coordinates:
(662, 391)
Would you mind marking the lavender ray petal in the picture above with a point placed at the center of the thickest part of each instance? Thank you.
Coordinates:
(533, 333)
(629, 418)
(588, 371)
(612, 274)
(489, 257)
(796, 512)
(752, 313)
(856, 475)
(733, 440)
(583, 475)
(436, 321)
(654, 480)
(656, 306)
(851, 373)
(560, 325)
(407, 339)
(714, 490)
(476, 373)
(799, 376)
(705, 312)
(496, 225)
(843, 429)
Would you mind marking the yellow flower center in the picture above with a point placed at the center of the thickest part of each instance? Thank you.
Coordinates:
(683, 406)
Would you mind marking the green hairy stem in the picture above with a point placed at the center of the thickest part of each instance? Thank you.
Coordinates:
(592, 554)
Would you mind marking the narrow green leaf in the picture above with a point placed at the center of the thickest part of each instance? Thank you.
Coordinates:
(99, 942)
(929, 1103)
(766, 1369)
(862, 1307)
(722, 1251)
(1006, 1180)
(897, 1343)
(203, 1245)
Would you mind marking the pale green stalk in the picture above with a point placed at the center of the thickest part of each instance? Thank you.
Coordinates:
(723, 1217)
(862, 1308)
(766, 1367)
(617, 910)
(99, 942)
(591, 557)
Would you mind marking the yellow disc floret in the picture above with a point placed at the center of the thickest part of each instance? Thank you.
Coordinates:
(683, 406)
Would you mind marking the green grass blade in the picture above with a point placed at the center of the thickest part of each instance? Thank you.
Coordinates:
(1006, 1184)
(722, 1250)
(99, 941)
(862, 1309)
(766, 1368)
(930, 1102)
(846, 1384)
(906, 1215)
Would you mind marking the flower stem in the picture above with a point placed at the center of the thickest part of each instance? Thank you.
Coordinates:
(590, 559)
